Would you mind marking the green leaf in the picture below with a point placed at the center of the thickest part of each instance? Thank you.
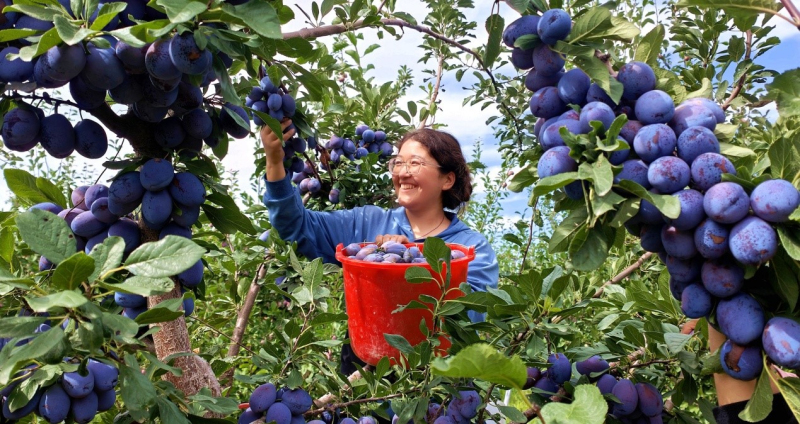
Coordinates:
(784, 159)
(591, 24)
(107, 256)
(513, 414)
(71, 33)
(23, 185)
(107, 13)
(731, 150)
(483, 362)
(435, 252)
(599, 172)
(259, 16)
(790, 389)
(676, 341)
(7, 35)
(51, 191)
(136, 390)
(784, 272)
(760, 404)
(164, 258)
(11, 327)
(589, 407)
(598, 72)
(494, 26)
(790, 240)
(649, 47)
(668, 205)
(74, 270)
(418, 274)
(554, 182)
(522, 179)
(47, 235)
(400, 343)
(182, 10)
(163, 312)
(593, 250)
(37, 348)
(785, 89)
(229, 218)
(49, 39)
(64, 299)
(621, 30)
(143, 286)
(169, 412)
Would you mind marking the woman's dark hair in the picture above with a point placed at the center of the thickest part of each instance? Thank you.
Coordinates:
(445, 149)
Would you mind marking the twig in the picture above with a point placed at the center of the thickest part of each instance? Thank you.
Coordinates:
(220, 333)
(335, 406)
(533, 411)
(648, 363)
(530, 236)
(435, 91)
(330, 397)
(740, 83)
(605, 58)
(624, 274)
(327, 30)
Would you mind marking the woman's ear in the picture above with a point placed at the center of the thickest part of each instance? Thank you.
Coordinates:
(449, 182)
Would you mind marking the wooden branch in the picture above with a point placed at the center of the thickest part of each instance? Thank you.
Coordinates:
(334, 406)
(435, 92)
(330, 397)
(624, 274)
(606, 59)
(740, 83)
(532, 412)
(793, 12)
(328, 30)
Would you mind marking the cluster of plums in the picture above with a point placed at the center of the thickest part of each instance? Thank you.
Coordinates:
(283, 406)
(27, 126)
(75, 397)
(638, 403)
(367, 141)
(390, 252)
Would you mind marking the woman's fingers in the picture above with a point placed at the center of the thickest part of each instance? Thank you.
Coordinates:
(379, 240)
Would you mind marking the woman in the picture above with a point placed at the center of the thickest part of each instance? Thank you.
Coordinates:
(429, 174)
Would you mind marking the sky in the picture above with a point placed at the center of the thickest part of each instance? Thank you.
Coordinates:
(466, 123)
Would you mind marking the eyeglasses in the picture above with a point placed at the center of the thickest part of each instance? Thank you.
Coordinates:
(412, 167)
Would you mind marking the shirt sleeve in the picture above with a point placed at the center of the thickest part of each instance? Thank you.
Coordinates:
(483, 272)
(316, 233)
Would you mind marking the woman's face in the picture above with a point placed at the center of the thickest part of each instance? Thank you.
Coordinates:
(423, 189)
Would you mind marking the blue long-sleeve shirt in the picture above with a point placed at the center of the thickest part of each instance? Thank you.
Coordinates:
(318, 233)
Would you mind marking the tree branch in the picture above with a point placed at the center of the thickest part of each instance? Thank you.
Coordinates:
(435, 91)
(327, 30)
(740, 83)
(334, 406)
(532, 412)
(624, 274)
(330, 397)
(793, 12)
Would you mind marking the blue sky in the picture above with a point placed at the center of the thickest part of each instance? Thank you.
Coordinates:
(465, 122)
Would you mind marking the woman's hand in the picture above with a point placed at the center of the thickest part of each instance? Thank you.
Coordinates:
(273, 148)
(379, 240)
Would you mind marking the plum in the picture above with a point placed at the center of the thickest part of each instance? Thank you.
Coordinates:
(548, 62)
(651, 403)
(533, 374)
(545, 103)
(561, 369)
(83, 410)
(57, 136)
(158, 61)
(676, 287)
(606, 383)
(103, 70)
(86, 97)
(298, 401)
(525, 25)
(156, 174)
(126, 188)
(132, 58)
(740, 318)
(692, 115)
(128, 300)
(554, 25)
(709, 104)
(654, 141)
(684, 271)
(781, 341)
(90, 139)
(691, 202)
(573, 86)
(722, 277)
(76, 385)
(707, 170)
(105, 376)
(466, 404)
(741, 362)
(87, 225)
(106, 399)
(63, 62)
(129, 91)
(669, 174)
(651, 238)
(192, 277)
(551, 136)
(229, 124)
(592, 365)
(625, 391)
(156, 208)
(184, 215)
(774, 200)
(129, 231)
(629, 131)
(26, 409)
(679, 244)
(753, 241)
(556, 161)
(248, 416)
(695, 141)
(726, 203)
(596, 111)
(101, 212)
(637, 78)
(54, 404)
(187, 189)
(262, 398)
(634, 170)
(16, 70)
(654, 107)
(648, 213)
(711, 239)
(696, 301)
(546, 384)
(187, 56)
(174, 229)
(597, 94)
(535, 81)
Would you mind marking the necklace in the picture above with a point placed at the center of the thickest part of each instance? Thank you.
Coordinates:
(434, 228)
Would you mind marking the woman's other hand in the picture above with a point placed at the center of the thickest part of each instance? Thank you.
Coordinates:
(273, 149)
(379, 240)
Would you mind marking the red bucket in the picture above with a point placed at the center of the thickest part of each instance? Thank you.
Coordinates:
(373, 290)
